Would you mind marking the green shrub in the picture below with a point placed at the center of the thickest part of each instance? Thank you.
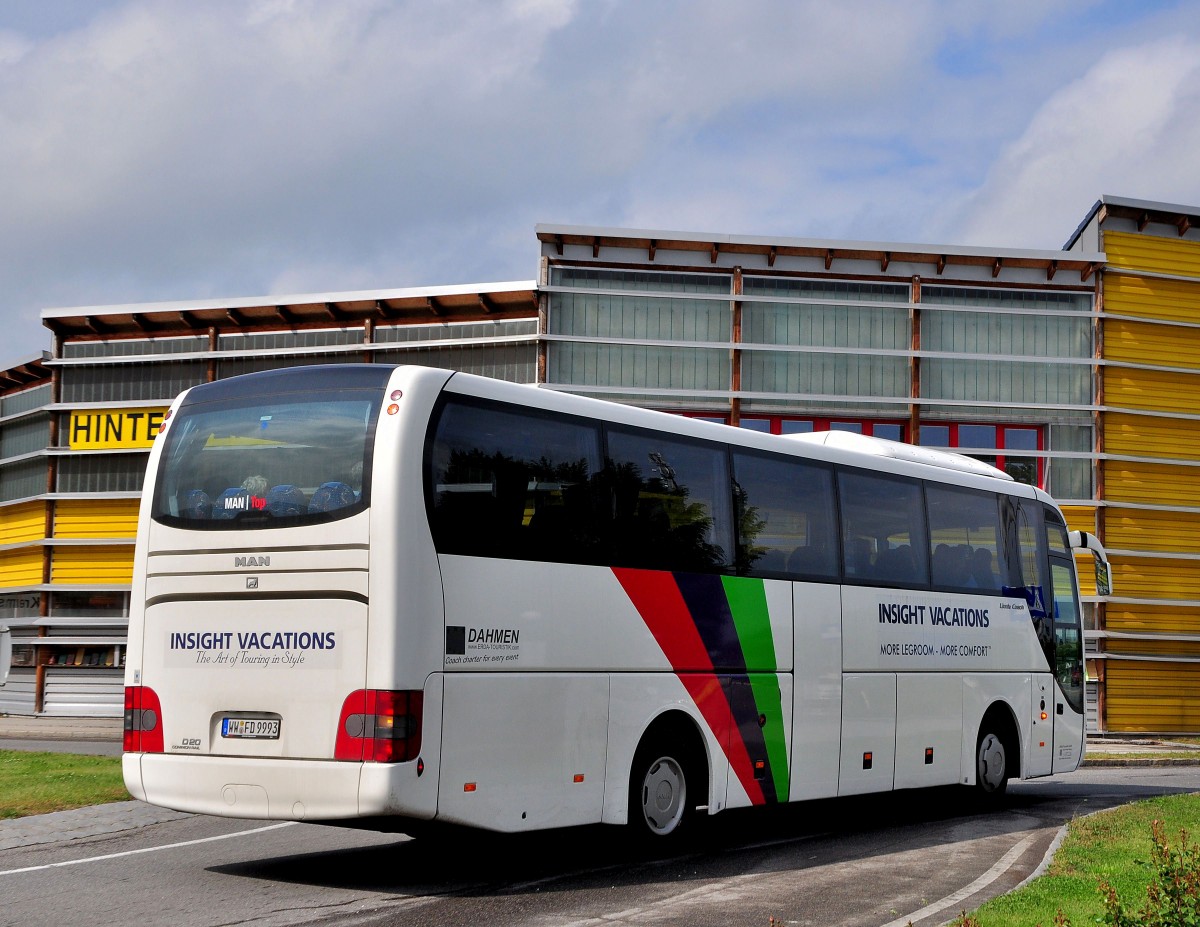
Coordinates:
(1173, 897)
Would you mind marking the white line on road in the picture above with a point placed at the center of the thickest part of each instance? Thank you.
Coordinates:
(169, 846)
(1002, 865)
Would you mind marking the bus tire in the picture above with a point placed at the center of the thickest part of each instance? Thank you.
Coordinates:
(992, 765)
(663, 789)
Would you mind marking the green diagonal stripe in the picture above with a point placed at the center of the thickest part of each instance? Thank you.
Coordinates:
(748, 604)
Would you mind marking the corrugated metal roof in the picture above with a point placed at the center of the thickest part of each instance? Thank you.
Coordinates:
(771, 246)
(495, 300)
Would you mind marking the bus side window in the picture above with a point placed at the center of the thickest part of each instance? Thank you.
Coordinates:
(1056, 533)
(883, 525)
(785, 517)
(671, 506)
(1031, 538)
(514, 483)
(967, 541)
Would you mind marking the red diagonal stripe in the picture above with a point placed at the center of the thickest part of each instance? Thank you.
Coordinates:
(657, 598)
(713, 701)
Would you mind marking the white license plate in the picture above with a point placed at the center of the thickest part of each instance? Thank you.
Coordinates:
(254, 728)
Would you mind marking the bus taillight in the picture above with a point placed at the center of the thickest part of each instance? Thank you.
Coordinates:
(380, 726)
(143, 721)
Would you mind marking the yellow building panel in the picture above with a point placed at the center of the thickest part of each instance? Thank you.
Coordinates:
(1137, 529)
(96, 518)
(1156, 390)
(1085, 568)
(1145, 578)
(1148, 436)
(26, 522)
(1122, 645)
(1080, 517)
(21, 567)
(1149, 298)
(1147, 343)
(1143, 696)
(86, 565)
(1153, 484)
(1152, 619)
(1176, 256)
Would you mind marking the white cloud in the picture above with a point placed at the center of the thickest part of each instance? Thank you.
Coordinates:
(151, 149)
(13, 48)
(1129, 126)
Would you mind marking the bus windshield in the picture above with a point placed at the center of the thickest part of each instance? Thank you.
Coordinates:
(267, 461)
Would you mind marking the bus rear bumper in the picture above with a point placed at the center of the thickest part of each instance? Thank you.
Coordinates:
(268, 789)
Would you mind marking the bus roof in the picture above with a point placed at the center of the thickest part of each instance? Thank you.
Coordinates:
(880, 447)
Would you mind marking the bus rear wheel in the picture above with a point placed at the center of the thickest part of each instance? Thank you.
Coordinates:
(660, 803)
(991, 764)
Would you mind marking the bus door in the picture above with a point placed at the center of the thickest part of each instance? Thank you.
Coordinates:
(1041, 729)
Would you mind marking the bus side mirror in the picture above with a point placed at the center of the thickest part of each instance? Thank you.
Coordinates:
(1081, 540)
(5, 653)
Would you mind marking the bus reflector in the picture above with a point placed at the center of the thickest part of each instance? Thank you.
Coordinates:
(379, 726)
(143, 721)
(468, 786)
(578, 778)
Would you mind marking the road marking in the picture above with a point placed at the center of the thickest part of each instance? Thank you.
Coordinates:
(169, 846)
(1002, 865)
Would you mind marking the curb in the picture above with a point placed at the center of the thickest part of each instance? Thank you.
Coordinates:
(1135, 761)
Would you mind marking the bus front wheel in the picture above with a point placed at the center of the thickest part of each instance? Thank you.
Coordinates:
(660, 803)
(991, 763)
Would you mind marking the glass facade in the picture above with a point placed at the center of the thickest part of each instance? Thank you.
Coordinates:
(600, 336)
(989, 370)
(149, 382)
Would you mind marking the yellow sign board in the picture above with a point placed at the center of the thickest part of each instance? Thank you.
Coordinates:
(114, 429)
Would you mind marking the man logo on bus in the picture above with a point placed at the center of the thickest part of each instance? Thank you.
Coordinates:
(252, 561)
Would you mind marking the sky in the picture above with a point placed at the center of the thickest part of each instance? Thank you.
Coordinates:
(162, 150)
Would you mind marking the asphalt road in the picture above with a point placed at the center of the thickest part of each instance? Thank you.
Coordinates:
(874, 861)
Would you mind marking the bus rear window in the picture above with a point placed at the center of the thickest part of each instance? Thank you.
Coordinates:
(263, 462)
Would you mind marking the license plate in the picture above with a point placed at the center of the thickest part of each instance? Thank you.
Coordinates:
(251, 728)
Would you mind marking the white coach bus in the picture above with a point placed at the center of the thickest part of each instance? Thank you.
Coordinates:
(386, 596)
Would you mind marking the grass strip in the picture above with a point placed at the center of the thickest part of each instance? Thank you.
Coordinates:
(36, 783)
(1112, 845)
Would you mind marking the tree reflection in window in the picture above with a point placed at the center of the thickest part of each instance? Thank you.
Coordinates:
(515, 485)
(670, 503)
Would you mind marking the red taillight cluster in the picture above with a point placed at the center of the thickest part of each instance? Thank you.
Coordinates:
(143, 720)
(380, 726)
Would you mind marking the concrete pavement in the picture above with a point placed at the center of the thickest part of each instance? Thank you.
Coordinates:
(42, 727)
(91, 736)
(82, 823)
